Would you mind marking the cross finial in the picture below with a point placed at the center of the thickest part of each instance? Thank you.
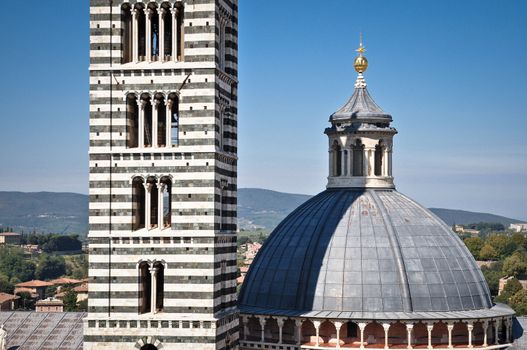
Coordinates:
(361, 48)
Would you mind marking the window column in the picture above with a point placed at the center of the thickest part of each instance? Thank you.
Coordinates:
(386, 327)
(298, 329)
(175, 41)
(361, 328)
(385, 162)
(148, 199)
(135, 36)
(350, 161)
(365, 162)
(280, 322)
(160, 205)
(155, 112)
(161, 36)
(470, 328)
(317, 328)
(262, 325)
(429, 328)
(148, 35)
(338, 325)
(343, 162)
(409, 328)
(169, 123)
(496, 328)
(153, 304)
(141, 104)
(485, 325)
(450, 327)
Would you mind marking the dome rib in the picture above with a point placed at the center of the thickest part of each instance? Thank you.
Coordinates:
(396, 248)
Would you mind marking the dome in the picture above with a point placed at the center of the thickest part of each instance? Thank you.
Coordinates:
(363, 250)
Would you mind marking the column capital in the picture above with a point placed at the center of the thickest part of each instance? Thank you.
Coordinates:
(298, 322)
(409, 326)
(149, 13)
(262, 321)
(470, 326)
(338, 324)
(148, 186)
(386, 326)
(280, 321)
(174, 11)
(362, 325)
(430, 327)
(317, 323)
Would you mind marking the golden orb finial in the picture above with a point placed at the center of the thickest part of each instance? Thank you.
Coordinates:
(361, 63)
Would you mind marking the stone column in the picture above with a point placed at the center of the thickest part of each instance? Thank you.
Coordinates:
(450, 327)
(362, 326)
(169, 123)
(386, 327)
(429, 328)
(470, 328)
(153, 289)
(135, 37)
(385, 162)
(317, 328)
(485, 325)
(245, 321)
(141, 127)
(175, 41)
(160, 204)
(409, 328)
(161, 36)
(148, 201)
(508, 330)
(390, 154)
(496, 330)
(280, 322)
(365, 162)
(148, 15)
(298, 328)
(262, 325)
(338, 326)
(343, 163)
(350, 161)
(155, 112)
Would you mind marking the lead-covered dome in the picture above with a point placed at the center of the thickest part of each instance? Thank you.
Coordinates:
(363, 250)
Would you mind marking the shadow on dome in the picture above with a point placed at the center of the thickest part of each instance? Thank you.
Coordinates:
(286, 272)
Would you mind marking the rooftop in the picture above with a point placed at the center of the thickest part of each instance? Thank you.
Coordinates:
(34, 284)
(7, 297)
(42, 330)
(9, 234)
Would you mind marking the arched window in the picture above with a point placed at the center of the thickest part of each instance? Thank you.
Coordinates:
(147, 117)
(166, 184)
(154, 31)
(178, 32)
(126, 33)
(165, 30)
(358, 158)
(141, 31)
(132, 121)
(138, 204)
(148, 347)
(153, 202)
(173, 106)
(145, 288)
(160, 105)
(337, 159)
(160, 285)
(379, 150)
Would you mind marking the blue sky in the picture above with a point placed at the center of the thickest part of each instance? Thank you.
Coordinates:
(452, 74)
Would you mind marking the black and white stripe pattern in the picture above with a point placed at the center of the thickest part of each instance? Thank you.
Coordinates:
(199, 249)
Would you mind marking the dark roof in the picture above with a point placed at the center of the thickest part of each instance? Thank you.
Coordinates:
(350, 250)
(43, 331)
(360, 104)
(519, 328)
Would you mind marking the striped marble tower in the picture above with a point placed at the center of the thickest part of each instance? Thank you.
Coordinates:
(163, 172)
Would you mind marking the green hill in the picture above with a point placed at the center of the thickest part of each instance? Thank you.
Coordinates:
(44, 212)
(257, 208)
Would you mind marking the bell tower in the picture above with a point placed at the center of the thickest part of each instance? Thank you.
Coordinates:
(163, 175)
(360, 139)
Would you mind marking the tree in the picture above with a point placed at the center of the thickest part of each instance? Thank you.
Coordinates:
(493, 279)
(518, 238)
(14, 265)
(515, 265)
(5, 285)
(512, 287)
(474, 245)
(488, 252)
(502, 244)
(70, 300)
(519, 302)
(50, 267)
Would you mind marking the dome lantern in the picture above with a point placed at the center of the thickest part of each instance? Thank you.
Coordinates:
(360, 139)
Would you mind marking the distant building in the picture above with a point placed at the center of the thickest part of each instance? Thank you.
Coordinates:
(50, 305)
(36, 288)
(81, 291)
(10, 238)
(520, 227)
(8, 302)
(462, 229)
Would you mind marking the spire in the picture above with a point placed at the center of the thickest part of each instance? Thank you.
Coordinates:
(360, 64)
